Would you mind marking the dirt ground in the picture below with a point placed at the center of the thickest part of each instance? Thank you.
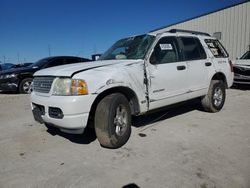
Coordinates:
(181, 147)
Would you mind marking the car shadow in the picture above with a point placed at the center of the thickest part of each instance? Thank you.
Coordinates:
(86, 138)
(131, 185)
(241, 87)
(166, 113)
(137, 121)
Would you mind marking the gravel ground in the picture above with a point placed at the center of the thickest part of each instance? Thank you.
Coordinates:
(174, 148)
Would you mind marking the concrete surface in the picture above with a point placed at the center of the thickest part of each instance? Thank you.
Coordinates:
(180, 147)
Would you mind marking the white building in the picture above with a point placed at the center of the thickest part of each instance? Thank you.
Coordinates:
(231, 25)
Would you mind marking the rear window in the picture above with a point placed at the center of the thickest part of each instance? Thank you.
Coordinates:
(216, 48)
(192, 49)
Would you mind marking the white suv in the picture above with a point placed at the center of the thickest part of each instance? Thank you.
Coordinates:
(136, 75)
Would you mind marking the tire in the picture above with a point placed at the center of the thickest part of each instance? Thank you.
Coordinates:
(113, 121)
(25, 86)
(215, 98)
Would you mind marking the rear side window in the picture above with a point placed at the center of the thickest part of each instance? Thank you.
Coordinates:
(192, 49)
(216, 48)
(73, 60)
(56, 62)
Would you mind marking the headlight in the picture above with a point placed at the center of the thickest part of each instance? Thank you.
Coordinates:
(68, 86)
(7, 76)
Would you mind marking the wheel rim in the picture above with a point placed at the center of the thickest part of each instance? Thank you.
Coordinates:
(27, 87)
(218, 96)
(121, 120)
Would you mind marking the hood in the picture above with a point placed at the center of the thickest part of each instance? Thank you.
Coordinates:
(18, 70)
(72, 69)
(243, 62)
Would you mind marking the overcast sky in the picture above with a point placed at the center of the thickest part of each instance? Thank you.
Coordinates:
(30, 29)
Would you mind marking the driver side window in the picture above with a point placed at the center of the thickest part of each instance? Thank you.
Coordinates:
(165, 51)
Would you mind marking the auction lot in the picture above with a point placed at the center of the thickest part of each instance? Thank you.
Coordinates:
(178, 147)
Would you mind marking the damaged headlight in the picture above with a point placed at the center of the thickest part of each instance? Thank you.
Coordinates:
(68, 86)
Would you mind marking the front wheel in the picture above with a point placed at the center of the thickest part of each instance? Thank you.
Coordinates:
(25, 86)
(113, 121)
(215, 98)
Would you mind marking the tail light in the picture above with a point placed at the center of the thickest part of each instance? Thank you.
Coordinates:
(231, 66)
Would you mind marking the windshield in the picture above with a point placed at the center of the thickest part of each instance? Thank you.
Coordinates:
(129, 48)
(246, 55)
(40, 63)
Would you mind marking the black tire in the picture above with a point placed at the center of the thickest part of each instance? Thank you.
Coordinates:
(215, 98)
(113, 121)
(25, 86)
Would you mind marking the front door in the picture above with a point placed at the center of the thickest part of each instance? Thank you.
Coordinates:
(168, 81)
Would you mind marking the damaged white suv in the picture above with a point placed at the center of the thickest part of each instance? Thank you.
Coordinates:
(136, 75)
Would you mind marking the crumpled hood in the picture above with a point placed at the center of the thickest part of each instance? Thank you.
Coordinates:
(72, 69)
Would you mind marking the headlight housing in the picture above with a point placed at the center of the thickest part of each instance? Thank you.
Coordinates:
(7, 76)
(68, 86)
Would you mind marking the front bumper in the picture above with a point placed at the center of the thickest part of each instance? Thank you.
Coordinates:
(75, 111)
(9, 85)
(241, 79)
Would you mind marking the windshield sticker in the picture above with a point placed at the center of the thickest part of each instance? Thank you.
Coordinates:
(166, 47)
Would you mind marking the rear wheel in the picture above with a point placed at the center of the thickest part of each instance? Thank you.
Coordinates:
(25, 86)
(215, 98)
(113, 121)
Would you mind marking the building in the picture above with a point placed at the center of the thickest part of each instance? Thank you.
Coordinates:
(231, 25)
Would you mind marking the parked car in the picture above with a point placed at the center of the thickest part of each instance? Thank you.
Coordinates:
(135, 76)
(20, 79)
(242, 69)
(6, 66)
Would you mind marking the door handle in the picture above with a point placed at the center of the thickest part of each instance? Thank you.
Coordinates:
(208, 64)
(181, 67)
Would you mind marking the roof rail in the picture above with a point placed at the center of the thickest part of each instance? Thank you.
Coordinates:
(188, 31)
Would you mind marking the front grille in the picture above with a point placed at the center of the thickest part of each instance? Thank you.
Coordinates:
(42, 84)
(242, 71)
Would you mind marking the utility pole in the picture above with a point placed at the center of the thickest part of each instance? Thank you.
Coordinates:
(94, 49)
(4, 59)
(49, 49)
(18, 58)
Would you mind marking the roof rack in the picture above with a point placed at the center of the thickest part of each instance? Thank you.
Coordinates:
(188, 31)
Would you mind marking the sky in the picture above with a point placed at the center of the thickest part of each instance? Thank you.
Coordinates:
(34, 29)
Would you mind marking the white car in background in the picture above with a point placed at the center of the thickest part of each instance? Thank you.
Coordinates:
(242, 69)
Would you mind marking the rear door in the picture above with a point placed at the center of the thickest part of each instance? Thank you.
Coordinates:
(167, 74)
(197, 65)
